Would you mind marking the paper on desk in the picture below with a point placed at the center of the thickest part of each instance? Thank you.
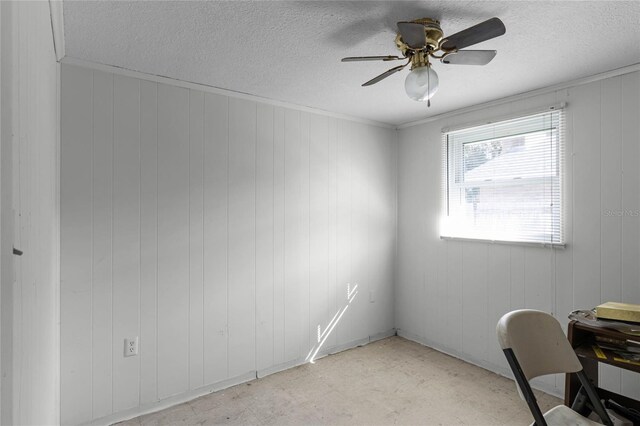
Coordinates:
(589, 318)
(628, 361)
(598, 352)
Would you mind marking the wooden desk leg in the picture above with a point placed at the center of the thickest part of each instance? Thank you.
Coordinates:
(571, 387)
(590, 366)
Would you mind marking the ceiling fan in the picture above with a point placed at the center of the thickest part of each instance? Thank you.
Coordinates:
(423, 38)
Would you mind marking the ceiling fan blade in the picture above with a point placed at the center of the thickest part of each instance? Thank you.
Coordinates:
(413, 34)
(469, 57)
(371, 58)
(478, 33)
(385, 75)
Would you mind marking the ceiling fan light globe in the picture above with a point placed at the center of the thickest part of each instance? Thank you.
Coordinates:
(421, 84)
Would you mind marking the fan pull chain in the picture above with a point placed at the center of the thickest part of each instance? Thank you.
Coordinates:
(428, 86)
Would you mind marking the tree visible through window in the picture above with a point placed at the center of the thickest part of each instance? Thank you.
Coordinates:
(503, 181)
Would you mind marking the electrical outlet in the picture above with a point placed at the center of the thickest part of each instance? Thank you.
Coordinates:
(131, 346)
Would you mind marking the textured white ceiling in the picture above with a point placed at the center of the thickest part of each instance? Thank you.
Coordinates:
(290, 51)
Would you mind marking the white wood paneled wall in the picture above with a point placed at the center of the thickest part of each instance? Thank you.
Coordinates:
(450, 294)
(29, 216)
(223, 232)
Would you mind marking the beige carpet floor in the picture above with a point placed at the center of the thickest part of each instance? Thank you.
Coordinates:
(392, 381)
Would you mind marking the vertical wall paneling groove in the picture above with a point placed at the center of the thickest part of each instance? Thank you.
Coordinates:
(292, 231)
(242, 151)
(305, 273)
(517, 276)
(564, 258)
(75, 247)
(126, 238)
(387, 166)
(611, 187)
(474, 300)
(538, 295)
(279, 257)
(434, 277)
(332, 304)
(222, 232)
(455, 302)
(265, 220)
(293, 234)
(343, 230)
(586, 106)
(148, 345)
(478, 282)
(351, 216)
(358, 320)
(173, 240)
(102, 248)
(611, 200)
(216, 140)
(498, 283)
(196, 238)
(318, 230)
(405, 182)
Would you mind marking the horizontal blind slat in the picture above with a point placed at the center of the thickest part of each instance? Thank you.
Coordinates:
(503, 181)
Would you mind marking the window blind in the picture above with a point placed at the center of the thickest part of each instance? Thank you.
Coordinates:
(503, 181)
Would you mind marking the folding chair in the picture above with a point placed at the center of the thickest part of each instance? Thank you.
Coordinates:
(535, 345)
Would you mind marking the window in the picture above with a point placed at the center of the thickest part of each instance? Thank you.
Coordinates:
(502, 181)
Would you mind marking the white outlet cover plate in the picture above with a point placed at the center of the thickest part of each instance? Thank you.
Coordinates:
(131, 346)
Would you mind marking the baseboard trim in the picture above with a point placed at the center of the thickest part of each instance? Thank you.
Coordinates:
(327, 351)
(218, 386)
(502, 371)
(279, 367)
(346, 346)
(168, 402)
(383, 335)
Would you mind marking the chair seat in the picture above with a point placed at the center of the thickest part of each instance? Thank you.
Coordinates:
(562, 415)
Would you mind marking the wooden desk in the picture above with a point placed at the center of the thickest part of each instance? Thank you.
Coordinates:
(581, 336)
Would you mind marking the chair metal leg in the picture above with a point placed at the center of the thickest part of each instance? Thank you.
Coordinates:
(594, 398)
(525, 388)
(587, 391)
(581, 403)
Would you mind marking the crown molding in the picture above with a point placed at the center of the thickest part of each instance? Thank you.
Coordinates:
(561, 86)
(57, 28)
(212, 89)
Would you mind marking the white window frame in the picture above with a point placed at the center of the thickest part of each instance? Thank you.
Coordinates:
(452, 180)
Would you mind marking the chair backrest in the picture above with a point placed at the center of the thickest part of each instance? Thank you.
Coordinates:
(538, 343)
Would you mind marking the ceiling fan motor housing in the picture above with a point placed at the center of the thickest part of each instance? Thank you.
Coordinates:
(433, 35)
(432, 31)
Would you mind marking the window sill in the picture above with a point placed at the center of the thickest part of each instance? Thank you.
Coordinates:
(513, 243)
